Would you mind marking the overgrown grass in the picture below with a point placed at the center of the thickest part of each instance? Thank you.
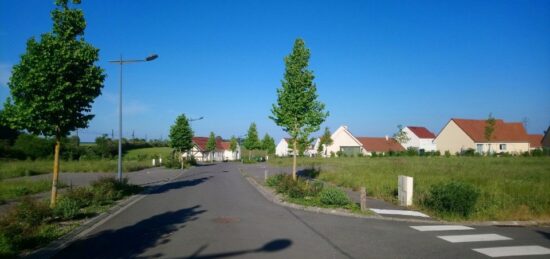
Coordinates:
(17, 168)
(147, 154)
(10, 190)
(32, 224)
(511, 188)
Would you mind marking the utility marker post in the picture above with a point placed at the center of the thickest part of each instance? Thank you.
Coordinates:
(364, 199)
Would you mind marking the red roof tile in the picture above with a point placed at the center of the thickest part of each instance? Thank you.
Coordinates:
(535, 140)
(421, 132)
(202, 141)
(504, 131)
(380, 144)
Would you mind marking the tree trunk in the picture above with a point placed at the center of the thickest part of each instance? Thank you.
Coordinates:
(55, 172)
(294, 160)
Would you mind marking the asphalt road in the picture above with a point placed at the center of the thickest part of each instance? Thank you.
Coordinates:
(213, 212)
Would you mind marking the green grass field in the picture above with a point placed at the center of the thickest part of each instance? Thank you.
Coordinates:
(512, 188)
(148, 153)
(13, 189)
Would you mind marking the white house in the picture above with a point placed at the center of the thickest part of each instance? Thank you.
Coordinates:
(282, 149)
(311, 151)
(420, 138)
(222, 152)
(343, 140)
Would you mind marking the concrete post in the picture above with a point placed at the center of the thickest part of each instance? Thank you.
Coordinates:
(405, 190)
(265, 175)
(154, 162)
(160, 161)
(363, 199)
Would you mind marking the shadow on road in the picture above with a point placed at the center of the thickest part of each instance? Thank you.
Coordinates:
(273, 246)
(180, 184)
(131, 241)
(544, 234)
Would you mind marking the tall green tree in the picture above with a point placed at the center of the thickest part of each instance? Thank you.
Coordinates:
(489, 129)
(268, 144)
(211, 145)
(252, 142)
(181, 136)
(401, 136)
(56, 81)
(233, 144)
(325, 141)
(297, 110)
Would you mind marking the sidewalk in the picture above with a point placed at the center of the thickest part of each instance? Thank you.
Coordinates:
(145, 177)
(380, 207)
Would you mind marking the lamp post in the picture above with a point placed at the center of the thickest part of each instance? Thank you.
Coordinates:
(122, 62)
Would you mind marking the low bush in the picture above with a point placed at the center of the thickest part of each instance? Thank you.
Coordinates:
(334, 196)
(31, 212)
(456, 198)
(299, 188)
(67, 208)
(106, 190)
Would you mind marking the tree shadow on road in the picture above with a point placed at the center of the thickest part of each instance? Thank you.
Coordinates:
(131, 241)
(273, 246)
(179, 184)
(544, 234)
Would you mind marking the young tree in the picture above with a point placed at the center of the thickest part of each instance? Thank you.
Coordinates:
(252, 142)
(268, 144)
(211, 145)
(297, 110)
(489, 129)
(233, 146)
(325, 141)
(181, 136)
(401, 136)
(54, 85)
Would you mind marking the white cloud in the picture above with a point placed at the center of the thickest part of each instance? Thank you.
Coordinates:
(5, 73)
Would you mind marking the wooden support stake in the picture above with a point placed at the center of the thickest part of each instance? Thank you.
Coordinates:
(363, 199)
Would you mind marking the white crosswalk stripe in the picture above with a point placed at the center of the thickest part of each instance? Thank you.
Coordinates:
(400, 212)
(441, 228)
(474, 238)
(513, 251)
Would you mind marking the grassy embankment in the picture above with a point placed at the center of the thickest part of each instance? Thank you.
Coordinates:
(511, 188)
(135, 160)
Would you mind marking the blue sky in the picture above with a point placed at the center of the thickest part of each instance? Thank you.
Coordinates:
(377, 63)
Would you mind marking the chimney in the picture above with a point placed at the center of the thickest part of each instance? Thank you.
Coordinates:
(387, 138)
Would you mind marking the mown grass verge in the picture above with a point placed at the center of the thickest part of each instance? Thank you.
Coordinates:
(18, 168)
(10, 190)
(510, 188)
(32, 224)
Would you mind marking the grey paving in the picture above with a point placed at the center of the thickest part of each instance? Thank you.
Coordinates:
(213, 212)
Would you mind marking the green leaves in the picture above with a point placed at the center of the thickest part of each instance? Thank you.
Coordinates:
(55, 83)
(252, 142)
(211, 144)
(297, 110)
(268, 144)
(181, 134)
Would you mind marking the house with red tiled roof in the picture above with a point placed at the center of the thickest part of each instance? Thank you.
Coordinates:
(460, 135)
(284, 148)
(221, 153)
(419, 138)
(345, 142)
(535, 141)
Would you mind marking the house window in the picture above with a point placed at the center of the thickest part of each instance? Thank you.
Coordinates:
(479, 148)
(502, 147)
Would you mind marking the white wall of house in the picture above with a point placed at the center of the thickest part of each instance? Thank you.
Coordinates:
(282, 148)
(342, 138)
(312, 151)
(419, 143)
(453, 139)
(230, 155)
(504, 147)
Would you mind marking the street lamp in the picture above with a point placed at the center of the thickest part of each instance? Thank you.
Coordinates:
(196, 119)
(122, 62)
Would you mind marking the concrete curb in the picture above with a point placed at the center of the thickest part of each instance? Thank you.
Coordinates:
(57, 245)
(277, 199)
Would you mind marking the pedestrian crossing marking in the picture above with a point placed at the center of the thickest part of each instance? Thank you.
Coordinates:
(441, 228)
(400, 212)
(513, 251)
(473, 238)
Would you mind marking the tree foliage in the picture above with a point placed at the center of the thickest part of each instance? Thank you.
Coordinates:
(53, 86)
(252, 142)
(268, 144)
(297, 110)
(401, 136)
(325, 140)
(181, 134)
(233, 144)
(489, 129)
(211, 145)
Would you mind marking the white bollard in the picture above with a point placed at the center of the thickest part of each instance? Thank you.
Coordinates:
(154, 162)
(405, 190)
(160, 161)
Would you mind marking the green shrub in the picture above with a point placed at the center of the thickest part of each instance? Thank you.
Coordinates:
(33, 146)
(67, 208)
(107, 190)
(299, 188)
(333, 196)
(447, 153)
(83, 196)
(456, 198)
(274, 180)
(32, 212)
